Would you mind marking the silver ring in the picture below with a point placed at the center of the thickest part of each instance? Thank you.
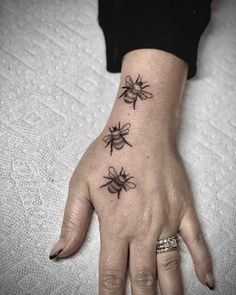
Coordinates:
(167, 244)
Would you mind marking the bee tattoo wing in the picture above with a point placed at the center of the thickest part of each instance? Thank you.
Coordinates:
(107, 138)
(128, 81)
(125, 129)
(144, 95)
(112, 172)
(129, 185)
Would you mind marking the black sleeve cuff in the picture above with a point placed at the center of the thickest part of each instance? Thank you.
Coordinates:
(175, 29)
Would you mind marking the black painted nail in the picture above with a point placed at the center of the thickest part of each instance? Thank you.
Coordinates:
(210, 287)
(55, 254)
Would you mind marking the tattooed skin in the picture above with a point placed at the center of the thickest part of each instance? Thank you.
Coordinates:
(117, 182)
(116, 139)
(135, 90)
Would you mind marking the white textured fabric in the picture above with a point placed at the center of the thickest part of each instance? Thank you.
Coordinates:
(55, 98)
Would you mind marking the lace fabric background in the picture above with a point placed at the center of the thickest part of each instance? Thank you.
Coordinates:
(55, 98)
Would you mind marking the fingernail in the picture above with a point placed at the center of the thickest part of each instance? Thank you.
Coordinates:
(55, 254)
(57, 248)
(210, 281)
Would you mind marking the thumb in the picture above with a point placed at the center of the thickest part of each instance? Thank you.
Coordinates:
(191, 232)
(77, 215)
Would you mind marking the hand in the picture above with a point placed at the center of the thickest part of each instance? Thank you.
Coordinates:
(140, 192)
(159, 206)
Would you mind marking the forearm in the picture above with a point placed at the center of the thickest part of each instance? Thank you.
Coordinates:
(156, 117)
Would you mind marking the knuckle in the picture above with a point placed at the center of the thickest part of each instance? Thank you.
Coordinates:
(170, 263)
(73, 180)
(144, 279)
(198, 238)
(111, 281)
(69, 224)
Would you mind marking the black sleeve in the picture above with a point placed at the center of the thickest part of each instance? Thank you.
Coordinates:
(174, 26)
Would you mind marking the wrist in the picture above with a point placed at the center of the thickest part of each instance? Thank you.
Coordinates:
(159, 79)
(149, 97)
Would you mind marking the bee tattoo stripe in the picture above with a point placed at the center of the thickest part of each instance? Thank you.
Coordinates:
(118, 182)
(116, 138)
(135, 90)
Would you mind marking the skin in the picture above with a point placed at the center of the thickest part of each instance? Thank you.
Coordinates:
(160, 205)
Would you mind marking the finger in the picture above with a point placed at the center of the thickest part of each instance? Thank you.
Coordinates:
(142, 265)
(192, 235)
(77, 215)
(168, 271)
(168, 267)
(112, 264)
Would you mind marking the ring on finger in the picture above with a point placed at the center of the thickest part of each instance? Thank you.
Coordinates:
(167, 244)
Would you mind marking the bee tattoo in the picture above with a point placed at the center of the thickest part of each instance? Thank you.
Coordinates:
(117, 182)
(116, 139)
(134, 90)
